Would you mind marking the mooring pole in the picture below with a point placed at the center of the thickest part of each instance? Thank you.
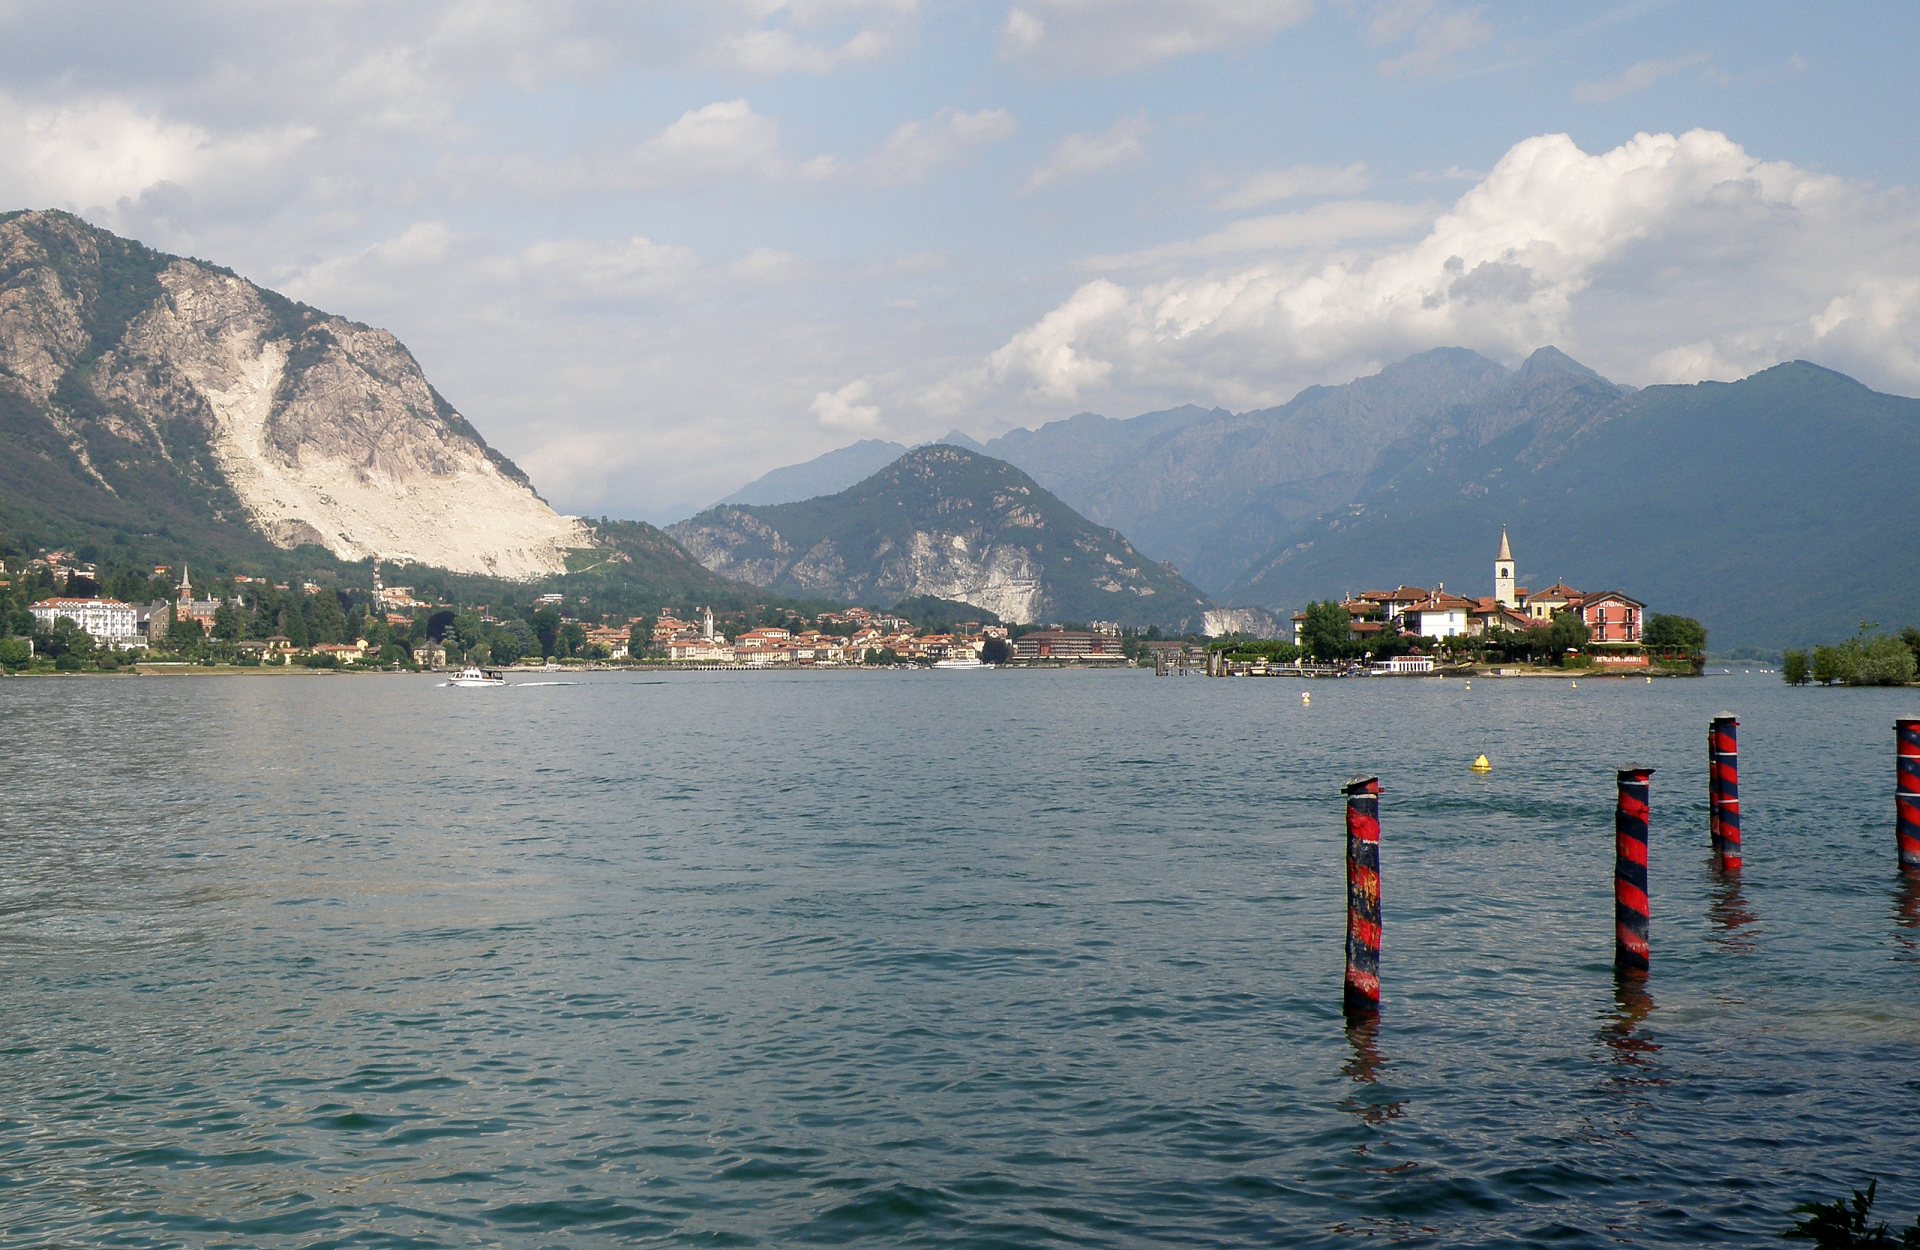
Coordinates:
(1362, 996)
(1723, 791)
(1906, 799)
(1630, 912)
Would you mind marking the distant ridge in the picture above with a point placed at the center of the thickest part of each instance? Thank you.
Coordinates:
(950, 523)
(823, 475)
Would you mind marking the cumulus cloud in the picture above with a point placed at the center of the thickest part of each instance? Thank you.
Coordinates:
(1115, 36)
(1295, 182)
(1122, 143)
(916, 148)
(96, 152)
(1637, 77)
(847, 409)
(1621, 255)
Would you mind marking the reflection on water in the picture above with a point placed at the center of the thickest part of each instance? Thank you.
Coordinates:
(1622, 1029)
(1372, 1104)
(1728, 909)
(1906, 914)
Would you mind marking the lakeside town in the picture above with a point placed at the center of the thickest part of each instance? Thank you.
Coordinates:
(61, 613)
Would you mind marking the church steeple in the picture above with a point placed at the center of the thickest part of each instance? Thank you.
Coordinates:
(186, 585)
(1503, 589)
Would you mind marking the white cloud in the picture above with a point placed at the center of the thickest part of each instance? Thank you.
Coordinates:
(812, 36)
(1045, 356)
(1321, 226)
(1434, 35)
(1293, 183)
(722, 140)
(95, 152)
(1617, 255)
(1114, 36)
(847, 409)
(1079, 155)
(916, 148)
(1637, 77)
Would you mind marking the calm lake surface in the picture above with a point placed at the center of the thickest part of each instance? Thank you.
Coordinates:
(934, 959)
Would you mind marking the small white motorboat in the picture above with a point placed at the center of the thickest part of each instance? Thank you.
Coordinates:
(478, 677)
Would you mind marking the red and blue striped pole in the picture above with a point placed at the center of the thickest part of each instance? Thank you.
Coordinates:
(1362, 996)
(1723, 790)
(1907, 798)
(1630, 913)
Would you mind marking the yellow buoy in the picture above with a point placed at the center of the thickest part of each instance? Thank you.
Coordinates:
(1305, 698)
(1481, 766)
(1576, 685)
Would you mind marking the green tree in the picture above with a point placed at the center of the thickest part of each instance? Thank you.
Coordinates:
(468, 631)
(996, 651)
(1883, 662)
(546, 631)
(185, 635)
(1831, 664)
(512, 642)
(227, 622)
(293, 626)
(1327, 631)
(1793, 668)
(571, 641)
(15, 653)
(1567, 633)
(640, 638)
(326, 619)
(1674, 633)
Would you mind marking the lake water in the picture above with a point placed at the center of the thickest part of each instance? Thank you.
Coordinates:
(1005, 959)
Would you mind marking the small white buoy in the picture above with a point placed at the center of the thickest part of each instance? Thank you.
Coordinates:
(1649, 679)
(1469, 683)
(1576, 685)
(1305, 698)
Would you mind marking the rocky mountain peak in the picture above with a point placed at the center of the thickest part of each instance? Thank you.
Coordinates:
(323, 430)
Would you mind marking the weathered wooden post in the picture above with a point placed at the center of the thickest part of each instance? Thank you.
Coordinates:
(1723, 790)
(1630, 911)
(1906, 799)
(1362, 997)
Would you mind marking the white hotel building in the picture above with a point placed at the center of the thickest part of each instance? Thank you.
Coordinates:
(110, 622)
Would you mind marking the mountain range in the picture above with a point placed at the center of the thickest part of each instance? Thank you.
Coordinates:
(1773, 508)
(168, 408)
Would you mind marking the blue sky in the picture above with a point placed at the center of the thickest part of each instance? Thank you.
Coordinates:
(654, 249)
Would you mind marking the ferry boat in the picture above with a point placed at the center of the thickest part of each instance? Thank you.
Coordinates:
(478, 677)
(961, 661)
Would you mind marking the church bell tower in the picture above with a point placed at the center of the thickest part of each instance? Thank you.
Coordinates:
(1503, 574)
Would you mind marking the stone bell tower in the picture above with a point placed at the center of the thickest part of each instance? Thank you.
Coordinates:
(1503, 574)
